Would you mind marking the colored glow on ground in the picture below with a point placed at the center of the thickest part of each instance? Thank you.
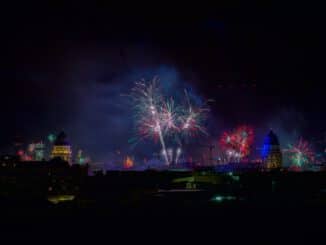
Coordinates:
(220, 198)
(61, 198)
(236, 178)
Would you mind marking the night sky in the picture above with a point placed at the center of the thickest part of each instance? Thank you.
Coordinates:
(65, 67)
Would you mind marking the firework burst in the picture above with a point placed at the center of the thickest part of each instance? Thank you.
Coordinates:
(237, 143)
(244, 139)
(157, 117)
(169, 115)
(192, 119)
(300, 153)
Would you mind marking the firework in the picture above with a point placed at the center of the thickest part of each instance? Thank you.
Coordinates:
(169, 116)
(128, 163)
(192, 118)
(237, 143)
(173, 154)
(158, 118)
(300, 153)
(191, 122)
(177, 155)
(244, 139)
(147, 100)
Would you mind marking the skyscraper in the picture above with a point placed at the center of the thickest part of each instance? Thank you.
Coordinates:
(61, 148)
(271, 153)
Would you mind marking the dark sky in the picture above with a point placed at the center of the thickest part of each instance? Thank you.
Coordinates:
(66, 66)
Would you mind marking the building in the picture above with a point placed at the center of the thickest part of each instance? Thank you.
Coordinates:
(39, 151)
(271, 153)
(61, 148)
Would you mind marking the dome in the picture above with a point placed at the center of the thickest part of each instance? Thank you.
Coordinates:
(271, 152)
(61, 139)
(271, 139)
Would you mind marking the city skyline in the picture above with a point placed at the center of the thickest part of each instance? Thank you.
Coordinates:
(162, 122)
(69, 74)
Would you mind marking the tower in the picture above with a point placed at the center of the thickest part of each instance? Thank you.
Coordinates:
(271, 153)
(39, 151)
(61, 148)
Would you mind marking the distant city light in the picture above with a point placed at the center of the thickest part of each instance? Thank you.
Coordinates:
(220, 198)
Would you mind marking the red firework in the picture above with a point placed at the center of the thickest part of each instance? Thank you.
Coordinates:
(239, 140)
(244, 139)
(227, 140)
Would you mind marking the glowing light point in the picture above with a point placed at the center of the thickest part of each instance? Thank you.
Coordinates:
(51, 138)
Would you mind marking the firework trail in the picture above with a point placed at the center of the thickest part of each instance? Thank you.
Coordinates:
(178, 155)
(169, 117)
(147, 101)
(300, 153)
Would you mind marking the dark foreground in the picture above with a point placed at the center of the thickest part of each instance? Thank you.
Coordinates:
(230, 223)
(254, 207)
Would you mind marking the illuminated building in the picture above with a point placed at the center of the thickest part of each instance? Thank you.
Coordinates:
(271, 153)
(39, 151)
(61, 148)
